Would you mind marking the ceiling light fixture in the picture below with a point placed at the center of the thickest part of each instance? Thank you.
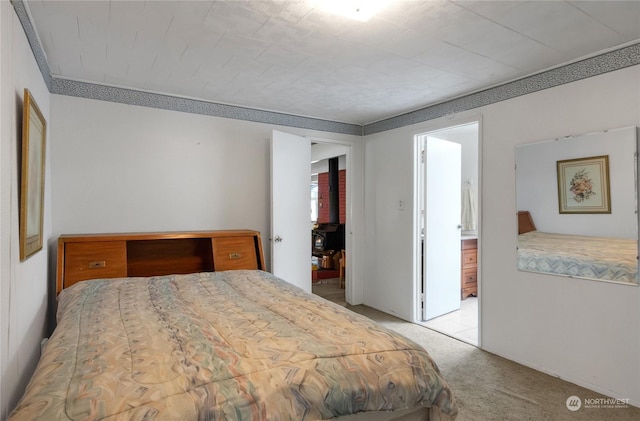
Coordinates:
(361, 10)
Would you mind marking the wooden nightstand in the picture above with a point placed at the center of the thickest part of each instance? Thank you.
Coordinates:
(469, 278)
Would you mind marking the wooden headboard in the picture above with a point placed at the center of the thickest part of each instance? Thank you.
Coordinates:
(525, 222)
(90, 256)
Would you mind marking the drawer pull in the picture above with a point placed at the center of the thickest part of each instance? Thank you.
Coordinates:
(235, 255)
(97, 264)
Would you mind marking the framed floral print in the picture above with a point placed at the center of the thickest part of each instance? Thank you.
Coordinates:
(34, 132)
(583, 185)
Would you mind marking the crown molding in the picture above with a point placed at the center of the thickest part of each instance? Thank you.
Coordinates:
(589, 67)
(593, 66)
(166, 102)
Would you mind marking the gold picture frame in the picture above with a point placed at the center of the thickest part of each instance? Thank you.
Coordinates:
(583, 185)
(34, 133)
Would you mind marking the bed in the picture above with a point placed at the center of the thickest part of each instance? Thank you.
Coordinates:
(602, 258)
(214, 343)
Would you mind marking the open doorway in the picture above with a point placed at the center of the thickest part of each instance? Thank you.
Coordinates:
(328, 220)
(290, 236)
(446, 230)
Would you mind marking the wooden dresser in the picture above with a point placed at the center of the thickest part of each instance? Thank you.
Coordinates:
(91, 256)
(469, 281)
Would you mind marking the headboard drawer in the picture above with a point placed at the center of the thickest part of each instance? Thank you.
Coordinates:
(231, 253)
(101, 259)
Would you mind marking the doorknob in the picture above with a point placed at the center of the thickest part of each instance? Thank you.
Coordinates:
(278, 239)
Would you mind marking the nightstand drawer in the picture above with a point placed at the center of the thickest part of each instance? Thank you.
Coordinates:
(469, 278)
(469, 258)
(92, 260)
(469, 270)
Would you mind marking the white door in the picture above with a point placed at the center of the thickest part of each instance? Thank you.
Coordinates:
(290, 214)
(442, 184)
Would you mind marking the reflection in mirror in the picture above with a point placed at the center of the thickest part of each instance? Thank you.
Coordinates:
(577, 206)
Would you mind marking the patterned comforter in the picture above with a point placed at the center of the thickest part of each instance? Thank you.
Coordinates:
(236, 345)
(613, 259)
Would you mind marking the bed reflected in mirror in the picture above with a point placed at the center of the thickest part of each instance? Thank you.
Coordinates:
(577, 206)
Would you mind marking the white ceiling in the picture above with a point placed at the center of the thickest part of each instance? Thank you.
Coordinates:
(289, 57)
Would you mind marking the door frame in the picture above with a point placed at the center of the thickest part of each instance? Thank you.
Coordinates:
(438, 269)
(353, 287)
(417, 271)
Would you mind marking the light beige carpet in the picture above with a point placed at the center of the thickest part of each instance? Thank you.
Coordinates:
(488, 387)
(330, 290)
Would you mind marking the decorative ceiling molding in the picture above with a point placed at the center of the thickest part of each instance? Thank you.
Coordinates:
(167, 102)
(173, 103)
(593, 66)
(34, 41)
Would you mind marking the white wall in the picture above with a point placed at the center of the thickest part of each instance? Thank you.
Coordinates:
(537, 183)
(389, 177)
(583, 331)
(123, 168)
(388, 264)
(318, 167)
(321, 152)
(23, 285)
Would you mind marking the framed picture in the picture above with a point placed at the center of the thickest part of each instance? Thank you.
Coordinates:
(583, 185)
(34, 132)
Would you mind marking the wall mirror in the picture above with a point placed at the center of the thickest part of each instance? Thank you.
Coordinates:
(577, 206)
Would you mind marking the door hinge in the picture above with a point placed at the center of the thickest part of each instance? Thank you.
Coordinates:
(422, 153)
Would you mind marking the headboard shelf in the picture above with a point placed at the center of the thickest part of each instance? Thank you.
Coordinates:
(90, 256)
(159, 257)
